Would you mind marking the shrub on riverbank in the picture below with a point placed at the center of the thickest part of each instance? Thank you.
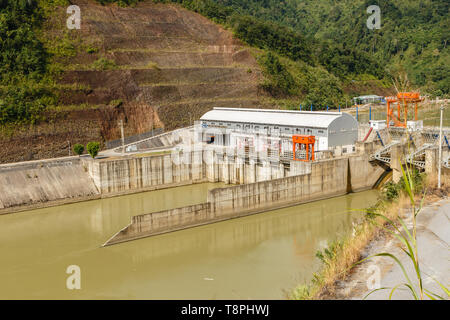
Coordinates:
(78, 149)
(93, 148)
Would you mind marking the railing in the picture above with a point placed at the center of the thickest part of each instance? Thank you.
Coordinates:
(384, 154)
(411, 158)
(118, 143)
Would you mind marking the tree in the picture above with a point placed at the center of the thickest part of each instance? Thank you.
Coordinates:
(78, 149)
(93, 148)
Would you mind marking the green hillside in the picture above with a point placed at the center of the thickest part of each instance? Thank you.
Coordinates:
(290, 52)
(310, 51)
(314, 71)
(413, 35)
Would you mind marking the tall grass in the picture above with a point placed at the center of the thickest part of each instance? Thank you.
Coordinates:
(342, 255)
(408, 239)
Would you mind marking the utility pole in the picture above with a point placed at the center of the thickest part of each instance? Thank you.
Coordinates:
(440, 148)
(153, 121)
(123, 138)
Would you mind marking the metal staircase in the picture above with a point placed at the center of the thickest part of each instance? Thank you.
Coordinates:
(419, 153)
(384, 154)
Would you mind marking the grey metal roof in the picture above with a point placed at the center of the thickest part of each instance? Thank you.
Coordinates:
(312, 119)
(372, 96)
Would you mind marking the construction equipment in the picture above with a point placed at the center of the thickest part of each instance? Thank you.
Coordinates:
(401, 101)
(303, 147)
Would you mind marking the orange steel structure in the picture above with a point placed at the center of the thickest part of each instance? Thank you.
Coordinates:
(402, 100)
(304, 143)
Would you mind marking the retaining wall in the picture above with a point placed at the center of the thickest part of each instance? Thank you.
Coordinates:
(139, 173)
(326, 179)
(35, 182)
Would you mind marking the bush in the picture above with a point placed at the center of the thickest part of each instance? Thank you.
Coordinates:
(102, 64)
(78, 149)
(391, 191)
(93, 148)
(91, 50)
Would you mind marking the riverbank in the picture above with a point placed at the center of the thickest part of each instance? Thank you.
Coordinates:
(433, 240)
(342, 277)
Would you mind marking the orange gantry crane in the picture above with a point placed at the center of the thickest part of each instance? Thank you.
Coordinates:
(401, 100)
(303, 145)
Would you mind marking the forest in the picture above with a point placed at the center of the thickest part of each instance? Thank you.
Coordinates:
(413, 36)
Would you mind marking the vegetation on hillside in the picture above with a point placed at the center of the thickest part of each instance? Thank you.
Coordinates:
(306, 58)
(413, 35)
(26, 85)
(309, 51)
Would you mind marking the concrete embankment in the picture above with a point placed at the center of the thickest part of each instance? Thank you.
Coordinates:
(325, 179)
(37, 182)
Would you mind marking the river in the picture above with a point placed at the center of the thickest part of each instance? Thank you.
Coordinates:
(255, 257)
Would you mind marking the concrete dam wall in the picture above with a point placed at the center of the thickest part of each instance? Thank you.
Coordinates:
(326, 179)
(50, 182)
(38, 182)
(146, 173)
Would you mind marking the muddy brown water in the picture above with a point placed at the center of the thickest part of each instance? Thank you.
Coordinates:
(255, 257)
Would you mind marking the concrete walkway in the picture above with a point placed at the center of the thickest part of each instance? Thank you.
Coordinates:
(433, 238)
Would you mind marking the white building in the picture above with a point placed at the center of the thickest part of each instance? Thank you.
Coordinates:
(236, 126)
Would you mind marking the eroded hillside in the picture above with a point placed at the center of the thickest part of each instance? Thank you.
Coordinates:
(154, 65)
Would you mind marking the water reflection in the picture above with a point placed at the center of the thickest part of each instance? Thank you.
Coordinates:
(253, 257)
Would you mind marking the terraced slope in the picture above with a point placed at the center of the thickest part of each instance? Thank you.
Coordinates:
(154, 65)
(167, 59)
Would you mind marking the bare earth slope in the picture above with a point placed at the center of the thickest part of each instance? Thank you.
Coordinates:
(165, 66)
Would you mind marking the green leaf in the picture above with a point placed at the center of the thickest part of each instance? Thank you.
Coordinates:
(407, 185)
(430, 295)
(384, 288)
